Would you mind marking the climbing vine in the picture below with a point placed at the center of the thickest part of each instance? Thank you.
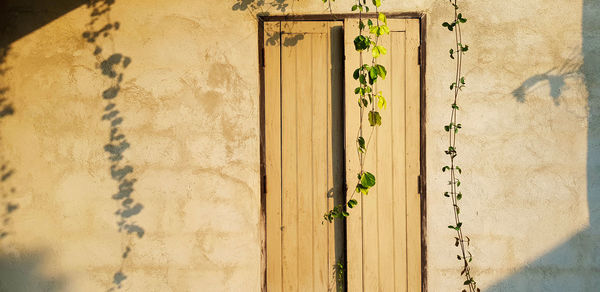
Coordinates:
(369, 100)
(452, 128)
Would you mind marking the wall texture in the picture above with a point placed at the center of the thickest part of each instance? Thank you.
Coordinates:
(130, 153)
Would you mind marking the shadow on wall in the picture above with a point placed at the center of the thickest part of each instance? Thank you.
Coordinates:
(7, 204)
(574, 265)
(25, 274)
(112, 64)
(21, 17)
(260, 7)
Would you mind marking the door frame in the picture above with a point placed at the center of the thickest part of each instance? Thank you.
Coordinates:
(422, 17)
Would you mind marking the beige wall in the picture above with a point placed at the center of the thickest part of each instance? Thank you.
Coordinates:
(189, 103)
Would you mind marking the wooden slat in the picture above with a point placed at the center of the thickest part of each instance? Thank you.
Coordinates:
(320, 165)
(273, 159)
(385, 178)
(397, 105)
(289, 167)
(354, 222)
(304, 99)
(412, 155)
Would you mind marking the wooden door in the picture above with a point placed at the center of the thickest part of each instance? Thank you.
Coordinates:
(383, 233)
(303, 153)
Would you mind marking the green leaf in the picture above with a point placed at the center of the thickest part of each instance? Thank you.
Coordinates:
(384, 29)
(361, 144)
(378, 50)
(352, 203)
(362, 79)
(451, 53)
(374, 118)
(452, 85)
(446, 194)
(381, 103)
(462, 80)
(361, 43)
(445, 168)
(373, 73)
(356, 74)
(367, 180)
(362, 189)
(354, 7)
(459, 196)
(381, 71)
(458, 225)
(454, 106)
(445, 24)
(370, 22)
(361, 24)
(458, 183)
(377, 3)
(456, 167)
(382, 17)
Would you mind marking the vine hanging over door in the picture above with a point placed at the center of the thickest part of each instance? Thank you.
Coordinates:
(369, 100)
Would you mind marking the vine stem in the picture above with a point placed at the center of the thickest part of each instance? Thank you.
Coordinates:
(453, 129)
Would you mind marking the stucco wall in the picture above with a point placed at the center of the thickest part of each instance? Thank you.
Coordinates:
(189, 99)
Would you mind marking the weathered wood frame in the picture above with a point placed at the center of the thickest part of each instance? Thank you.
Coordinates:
(422, 17)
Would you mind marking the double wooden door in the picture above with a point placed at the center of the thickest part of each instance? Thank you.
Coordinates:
(311, 121)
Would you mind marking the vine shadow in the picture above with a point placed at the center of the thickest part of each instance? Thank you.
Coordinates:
(260, 7)
(575, 264)
(7, 203)
(112, 64)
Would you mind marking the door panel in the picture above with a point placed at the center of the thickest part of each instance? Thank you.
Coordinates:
(383, 233)
(302, 181)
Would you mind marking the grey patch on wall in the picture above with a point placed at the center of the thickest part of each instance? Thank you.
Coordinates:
(226, 97)
(25, 273)
(574, 265)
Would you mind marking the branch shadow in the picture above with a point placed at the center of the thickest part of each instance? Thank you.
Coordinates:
(7, 191)
(260, 7)
(111, 64)
(575, 264)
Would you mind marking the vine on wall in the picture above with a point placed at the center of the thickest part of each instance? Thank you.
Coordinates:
(368, 97)
(461, 241)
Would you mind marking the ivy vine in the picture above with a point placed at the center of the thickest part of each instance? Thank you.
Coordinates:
(369, 100)
(452, 128)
